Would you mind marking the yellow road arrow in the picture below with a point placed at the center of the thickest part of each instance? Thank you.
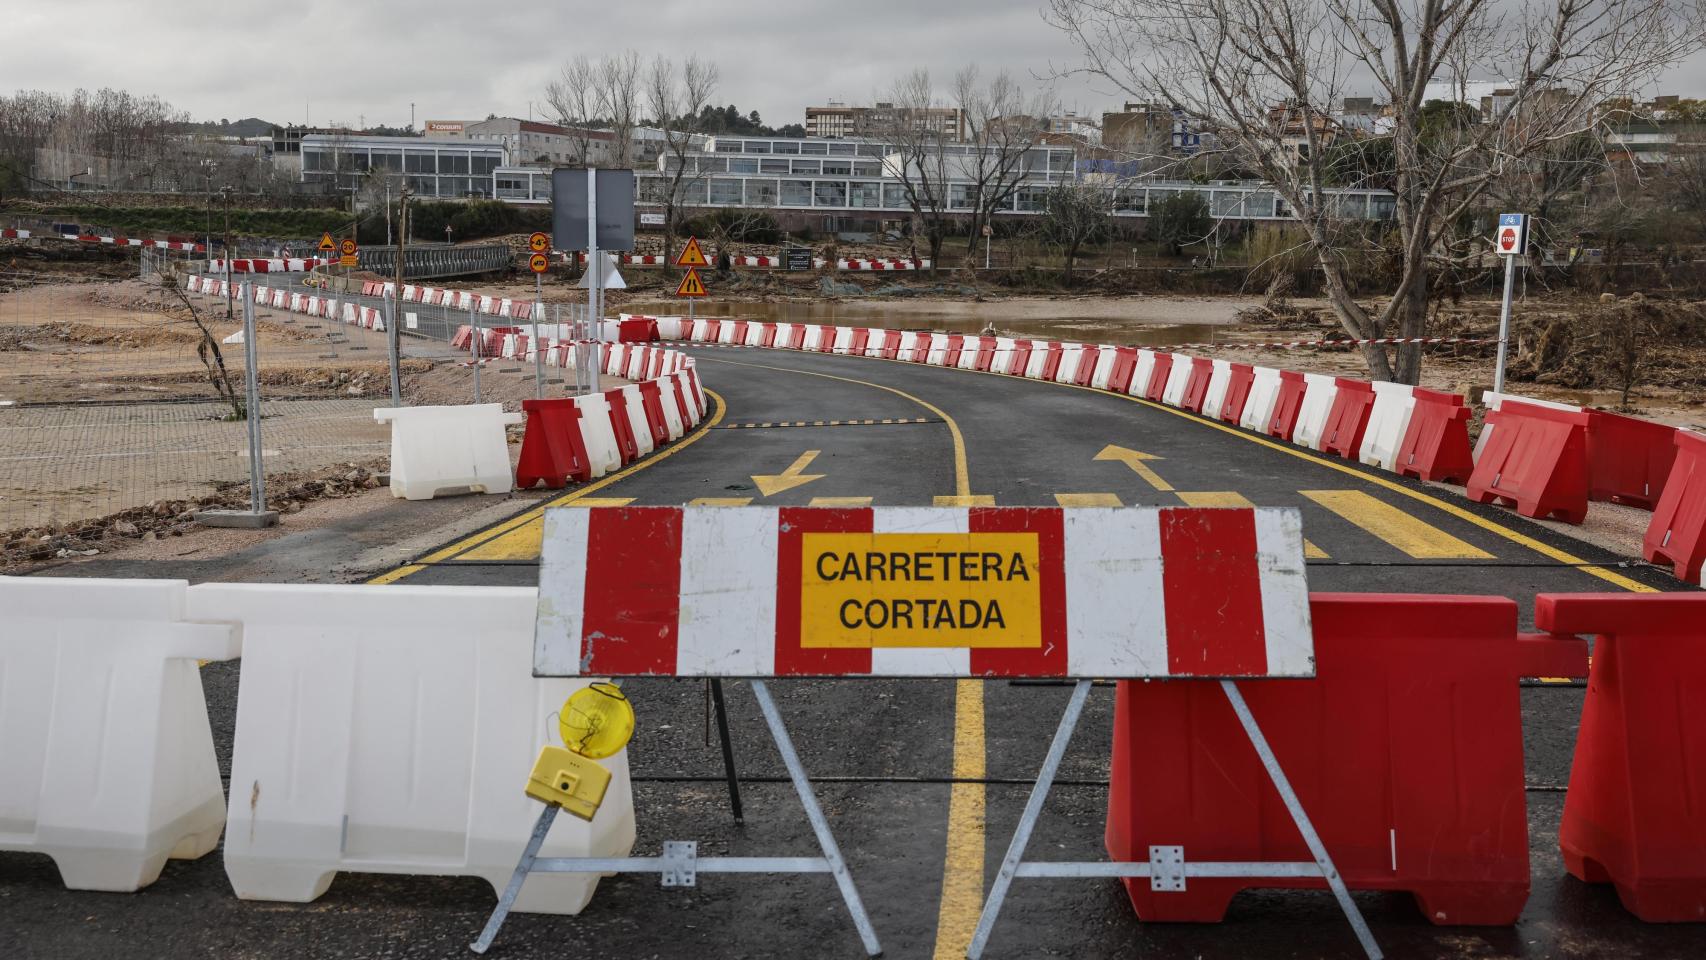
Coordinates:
(772, 484)
(1134, 459)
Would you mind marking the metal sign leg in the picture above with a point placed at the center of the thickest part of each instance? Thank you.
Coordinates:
(523, 867)
(1028, 820)
(728, 748)
(820, 826)
(1299, 817)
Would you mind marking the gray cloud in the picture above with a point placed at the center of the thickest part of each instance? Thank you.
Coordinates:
(459, 59)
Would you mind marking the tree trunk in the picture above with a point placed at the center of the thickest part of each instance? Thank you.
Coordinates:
(1352, 317)
(935, 248)
(1412, 314)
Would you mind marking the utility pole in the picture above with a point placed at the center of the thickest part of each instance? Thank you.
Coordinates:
(225, 198)
(394, 335)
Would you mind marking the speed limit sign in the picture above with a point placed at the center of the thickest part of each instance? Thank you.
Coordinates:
(539, 263)
(539, 242)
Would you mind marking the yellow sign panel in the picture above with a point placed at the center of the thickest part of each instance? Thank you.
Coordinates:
(348, 261)
(539, 242)
(691, 255)
(691, 285)
(538, 263)
(326, 243)
(979, 590)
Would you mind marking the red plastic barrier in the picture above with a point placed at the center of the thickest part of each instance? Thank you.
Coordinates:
(738, 334)
(651, 401)
(464, 338)
(1237, 392)
(1436, 444)
(826, 343)
(891, 344)
(859, 341)
(1125, 364)
(623, 427)
(1634, 813)
(1537, 460)
(1353, 401)
(1051, 360)
(1677, 533)
(985, 354)
(1158, 377)
(552, 449)
(1405, 750)
(1287, 403)
(1021, 357)
(1087, 359)
(920, 352)
(956, 342)
(1196, 385)
(796, 337)
(1628, 458)
(713, 329)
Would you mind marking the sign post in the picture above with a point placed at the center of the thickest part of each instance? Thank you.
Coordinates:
(1511, 242)
(538, 262)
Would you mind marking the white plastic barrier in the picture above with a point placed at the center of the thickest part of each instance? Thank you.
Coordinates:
(1493, 400)
(726, 331)
(784, 334)
(875, 338)
(670, 328)
(1070, 354)
(693, 412)
(1141, 374)
(1219, 378)
(602, 453)
(639, 358)
(969, 346)
(909, 344)
(843, 340)
(937, 355)
(1178, 375)
(1005, 350)
(1038, 361)
(389, 730)
(1388, 419)
(755, 333)
(609, 330)
(1259, 405)
(614, 358)
(438, 450)
(634, 405)
(814, 337)
(1318, 393)
(106, 757)
(1103, 374)
(674, 417)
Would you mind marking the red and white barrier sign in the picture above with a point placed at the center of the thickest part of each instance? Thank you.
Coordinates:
(923, 591)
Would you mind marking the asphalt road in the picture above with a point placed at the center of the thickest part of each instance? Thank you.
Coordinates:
(887, 755)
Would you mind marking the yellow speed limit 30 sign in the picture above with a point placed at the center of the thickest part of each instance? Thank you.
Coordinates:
(876, 590)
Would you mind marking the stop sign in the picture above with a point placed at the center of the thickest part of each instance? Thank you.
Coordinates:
(1507, 239)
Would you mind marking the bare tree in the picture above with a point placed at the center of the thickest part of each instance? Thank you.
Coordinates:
(1078, 212)
(1002, 125)
(912, 129)
(588, 96)
(674, 97)
(1266, 76)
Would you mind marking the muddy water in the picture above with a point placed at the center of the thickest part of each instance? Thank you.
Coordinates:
(1149, 322)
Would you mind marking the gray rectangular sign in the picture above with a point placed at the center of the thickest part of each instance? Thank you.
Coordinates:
(615, 190)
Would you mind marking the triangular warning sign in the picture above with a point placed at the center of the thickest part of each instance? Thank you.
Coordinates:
(691, 285)
(326, 242)
(691, 255)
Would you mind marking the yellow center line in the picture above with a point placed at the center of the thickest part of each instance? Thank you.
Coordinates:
(498, 530)
(962, 864)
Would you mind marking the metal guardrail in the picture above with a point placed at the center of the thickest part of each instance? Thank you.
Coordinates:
(420, 263)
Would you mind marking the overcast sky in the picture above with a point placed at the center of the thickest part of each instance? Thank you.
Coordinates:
(463, 59)
(356, 60)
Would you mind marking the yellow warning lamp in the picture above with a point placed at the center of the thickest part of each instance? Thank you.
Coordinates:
(595, 722)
